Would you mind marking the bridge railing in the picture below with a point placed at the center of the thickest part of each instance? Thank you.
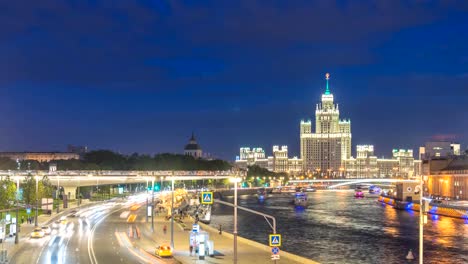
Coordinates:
(165, 173)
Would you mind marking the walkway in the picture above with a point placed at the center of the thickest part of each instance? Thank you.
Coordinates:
(248, 251)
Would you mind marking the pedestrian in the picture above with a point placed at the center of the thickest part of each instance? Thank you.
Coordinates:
(22, 219)
(164, 229)
(220, 229)
(191, 249)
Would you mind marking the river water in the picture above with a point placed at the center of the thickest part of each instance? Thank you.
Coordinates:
(338, 228)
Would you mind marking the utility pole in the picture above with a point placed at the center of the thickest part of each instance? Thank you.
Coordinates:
(146, 200)
(17, 212)
(235, 179)
(172, 214)
(37, 199)
(152, 206)
(421, 220)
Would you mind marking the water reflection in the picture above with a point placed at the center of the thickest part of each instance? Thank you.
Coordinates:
(337, 228)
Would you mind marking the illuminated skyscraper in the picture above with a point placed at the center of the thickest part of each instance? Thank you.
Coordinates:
(325, 150)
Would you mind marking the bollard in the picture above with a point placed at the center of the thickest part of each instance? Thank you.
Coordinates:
(410, 255)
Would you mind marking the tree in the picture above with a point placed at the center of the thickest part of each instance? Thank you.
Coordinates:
(7, 193)
(7, 164)
(29, 189)
(46, 187)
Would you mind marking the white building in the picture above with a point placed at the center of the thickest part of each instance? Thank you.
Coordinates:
(367, 165)
(325, 150)
(279, 162)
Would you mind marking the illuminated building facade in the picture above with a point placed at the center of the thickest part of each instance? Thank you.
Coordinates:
(367, 165)
(325, 150)
(450, 179)
(279, 162)
(40, 156)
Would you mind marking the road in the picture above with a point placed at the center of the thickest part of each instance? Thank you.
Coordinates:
(89, 237)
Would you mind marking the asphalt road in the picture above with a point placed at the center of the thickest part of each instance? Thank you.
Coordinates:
(76, 241)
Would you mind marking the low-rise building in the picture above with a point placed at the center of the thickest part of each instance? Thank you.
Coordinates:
(447, 177)
(40, 156)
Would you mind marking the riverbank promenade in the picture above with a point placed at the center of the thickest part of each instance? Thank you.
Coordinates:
(248, 251)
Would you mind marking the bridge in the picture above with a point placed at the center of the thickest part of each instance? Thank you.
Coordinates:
(72, 179)
(344, 182)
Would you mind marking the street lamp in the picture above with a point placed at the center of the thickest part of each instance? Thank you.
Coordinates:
(172, 212)
(152, 206)
(17, 212)
(235, 180)
(37, 199)
(58, 194)
(146, 199)
(422, 211)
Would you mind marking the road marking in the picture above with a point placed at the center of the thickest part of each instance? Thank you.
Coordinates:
(91, 254)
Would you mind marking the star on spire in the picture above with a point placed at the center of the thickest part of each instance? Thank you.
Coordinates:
(327, 77)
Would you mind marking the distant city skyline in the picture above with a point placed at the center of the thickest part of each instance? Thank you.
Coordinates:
(143, 80)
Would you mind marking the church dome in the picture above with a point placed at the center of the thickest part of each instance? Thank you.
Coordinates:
(192, 145)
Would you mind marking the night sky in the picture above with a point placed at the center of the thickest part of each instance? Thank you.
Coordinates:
(140, 77)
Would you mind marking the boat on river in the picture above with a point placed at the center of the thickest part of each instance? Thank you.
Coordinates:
(374, 189)
(261, 194)
(300, 199)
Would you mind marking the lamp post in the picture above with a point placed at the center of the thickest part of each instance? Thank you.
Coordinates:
(172, 213)
(17, 212)
(58, 194)
(422, 210)
(152, 206)
(79, 192)
(235, 180)
(146, 199)
(37, 199)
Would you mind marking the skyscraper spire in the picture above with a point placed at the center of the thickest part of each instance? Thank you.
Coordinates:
(327, 76)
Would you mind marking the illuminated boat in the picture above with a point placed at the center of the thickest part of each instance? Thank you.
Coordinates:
(300, 199)
(374, 189)
(358, 194)
(261, 194)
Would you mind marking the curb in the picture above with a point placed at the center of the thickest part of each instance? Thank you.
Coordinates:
(259, 246)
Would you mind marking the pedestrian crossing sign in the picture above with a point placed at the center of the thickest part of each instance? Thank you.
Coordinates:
(207, 198)
(275, 240)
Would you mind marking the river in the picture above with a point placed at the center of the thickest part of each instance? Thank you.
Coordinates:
(338, 228)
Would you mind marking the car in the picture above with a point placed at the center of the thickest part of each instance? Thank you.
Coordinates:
(63, 220)
(164, 251)
(56, 224)
(46, 230)
(37, 233)
(73, 213)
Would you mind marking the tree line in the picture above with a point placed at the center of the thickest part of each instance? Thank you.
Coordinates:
(9, 194)
(109, 160)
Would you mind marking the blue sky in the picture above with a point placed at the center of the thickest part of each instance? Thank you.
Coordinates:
(140, 77)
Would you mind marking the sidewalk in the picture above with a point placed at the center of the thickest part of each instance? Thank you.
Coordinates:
(248, 251)
(26, 229)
